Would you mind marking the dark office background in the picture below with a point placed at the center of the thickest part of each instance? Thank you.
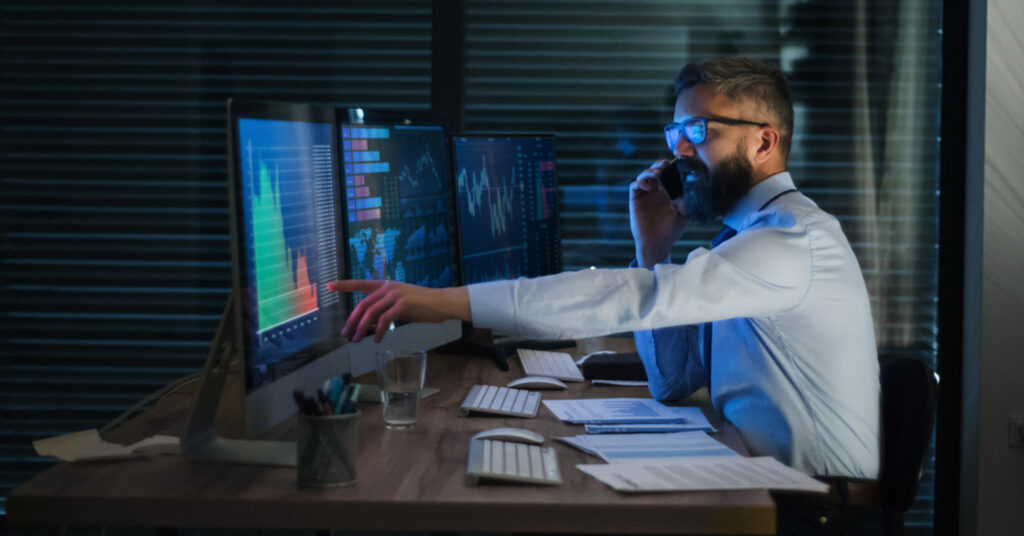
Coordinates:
(113, 203)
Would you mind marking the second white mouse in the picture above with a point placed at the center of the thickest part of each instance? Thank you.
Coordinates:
(517, 435)
(536, 382)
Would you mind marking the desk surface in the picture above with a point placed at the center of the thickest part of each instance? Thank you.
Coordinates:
(408, 480)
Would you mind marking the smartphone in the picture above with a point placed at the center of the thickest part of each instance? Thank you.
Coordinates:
(671, 179)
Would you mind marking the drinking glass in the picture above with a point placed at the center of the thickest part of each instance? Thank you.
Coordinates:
(401, 376)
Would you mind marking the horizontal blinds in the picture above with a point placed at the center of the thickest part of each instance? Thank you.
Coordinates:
(864, 77)
(116, 259)
(112, 198)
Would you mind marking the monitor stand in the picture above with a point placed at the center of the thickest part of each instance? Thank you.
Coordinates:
(486, 343)
(201, 442)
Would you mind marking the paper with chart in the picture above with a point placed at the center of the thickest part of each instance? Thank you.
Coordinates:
(695, 422)
(620, 448)
(621, 411)
(619, 383)
(702, 474)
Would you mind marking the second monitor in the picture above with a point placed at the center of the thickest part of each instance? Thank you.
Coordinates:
(397, 195)
(507, 206)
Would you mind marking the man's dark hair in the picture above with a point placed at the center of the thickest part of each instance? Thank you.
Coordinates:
(742, 79)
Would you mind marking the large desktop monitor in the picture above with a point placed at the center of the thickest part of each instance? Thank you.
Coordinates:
(507, 206)
(286, 212)
(398, 204)
(296, 210)
(285, 236)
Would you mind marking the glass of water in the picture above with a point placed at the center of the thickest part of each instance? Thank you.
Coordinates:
(401, 376)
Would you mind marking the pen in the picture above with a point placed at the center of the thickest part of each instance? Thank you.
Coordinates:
(307, 405)
(353, 401)
(335, 390)
(324, 401)
(339, 405)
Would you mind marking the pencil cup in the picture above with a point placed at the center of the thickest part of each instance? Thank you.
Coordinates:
(401, 381)
(328, 449)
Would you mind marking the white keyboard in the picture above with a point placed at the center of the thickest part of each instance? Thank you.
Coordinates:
(516, 462)
(500, 401)
(551, 364)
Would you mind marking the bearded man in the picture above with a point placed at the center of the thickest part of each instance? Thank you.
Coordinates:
(774, 319)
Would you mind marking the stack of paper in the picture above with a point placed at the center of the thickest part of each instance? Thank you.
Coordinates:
(618, 448)
(87, 445)
(696, 424)
(693, 474)
(627, 411)
(680, 461)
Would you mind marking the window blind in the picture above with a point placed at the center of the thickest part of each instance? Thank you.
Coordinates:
(864, 77)
(113, 199)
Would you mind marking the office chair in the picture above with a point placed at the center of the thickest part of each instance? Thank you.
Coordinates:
(909, 392)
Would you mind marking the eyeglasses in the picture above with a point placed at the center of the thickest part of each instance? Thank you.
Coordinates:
(696, 130)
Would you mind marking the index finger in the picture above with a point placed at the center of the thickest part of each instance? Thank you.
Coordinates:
(355, 285)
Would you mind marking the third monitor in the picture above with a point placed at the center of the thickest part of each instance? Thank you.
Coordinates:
(507, 206)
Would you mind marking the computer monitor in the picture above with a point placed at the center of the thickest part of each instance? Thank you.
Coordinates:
(507, 206)
(285, 237)
(507, 199)
(398, 204)
(285, 207)
(399, 216)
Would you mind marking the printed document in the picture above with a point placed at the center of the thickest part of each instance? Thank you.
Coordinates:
(697, 424)
(699, 474)
(619, 448)
(87, 445)
(621, 410)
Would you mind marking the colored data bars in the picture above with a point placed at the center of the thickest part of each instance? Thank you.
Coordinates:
(359, 160)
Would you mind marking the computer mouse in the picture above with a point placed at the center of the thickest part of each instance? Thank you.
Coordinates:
(536, 382)
(516, 435)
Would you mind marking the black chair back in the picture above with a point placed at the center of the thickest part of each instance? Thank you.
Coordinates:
(909, 392)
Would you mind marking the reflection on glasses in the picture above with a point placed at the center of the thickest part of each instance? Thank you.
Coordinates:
(696, 130)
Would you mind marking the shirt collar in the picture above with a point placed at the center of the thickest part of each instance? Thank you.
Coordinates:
(756, 197)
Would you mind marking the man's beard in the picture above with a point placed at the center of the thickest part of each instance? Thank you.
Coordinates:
(713, 194)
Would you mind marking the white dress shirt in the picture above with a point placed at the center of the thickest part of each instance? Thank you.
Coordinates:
(795, 367)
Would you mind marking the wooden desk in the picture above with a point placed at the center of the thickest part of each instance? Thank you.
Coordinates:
(408, 480)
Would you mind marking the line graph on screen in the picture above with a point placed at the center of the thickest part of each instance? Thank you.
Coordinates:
(425, 169)
(500, 199)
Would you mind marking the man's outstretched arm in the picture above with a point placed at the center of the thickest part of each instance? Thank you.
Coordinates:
(390, 301)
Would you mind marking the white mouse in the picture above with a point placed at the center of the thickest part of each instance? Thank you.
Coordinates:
(517, 435)
(537, 382)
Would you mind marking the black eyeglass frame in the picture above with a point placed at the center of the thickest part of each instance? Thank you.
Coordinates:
(675, 131)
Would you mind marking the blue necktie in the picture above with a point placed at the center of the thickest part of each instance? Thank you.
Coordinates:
(723, 235)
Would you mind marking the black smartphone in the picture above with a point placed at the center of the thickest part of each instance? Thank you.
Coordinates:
(671, 179)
